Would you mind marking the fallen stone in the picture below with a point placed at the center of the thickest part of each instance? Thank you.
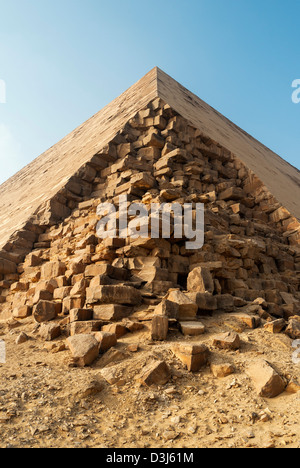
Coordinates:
(293, 386)
(84, 349)
(222, 370)
(160, 328)
(106, 341)
(84, 328)
(251, 321)
(50, 331)
(168, 308)
(114, 375)
(192, 356)
(116, 328)
(229, 341)
(22, 338)
(156, 373)
(293, 328)
(54, 347)
(268, 383)
(113, 356)
(22, 312)
(187, 309)
(276, 326)
(111, 312)
(132, 326)
(192, 328)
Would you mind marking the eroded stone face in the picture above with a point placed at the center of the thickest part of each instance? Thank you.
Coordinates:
(267, 381)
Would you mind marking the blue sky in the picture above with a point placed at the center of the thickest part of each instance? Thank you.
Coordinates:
(63, 60)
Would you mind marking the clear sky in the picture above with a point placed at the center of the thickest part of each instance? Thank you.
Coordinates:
(63, 60)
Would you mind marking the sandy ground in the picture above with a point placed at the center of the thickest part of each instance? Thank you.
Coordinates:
(46, 403)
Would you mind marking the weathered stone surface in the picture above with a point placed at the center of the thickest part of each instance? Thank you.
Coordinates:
(160, 328)
(191, 355)
(200, 280)
(84, 349)
(206, 302)
(187, 309)
(7, 267)
(233, 193)
(167, 308)
(52, 270)
(70, 303)
(22, 338)
(132, 326)
(81, 315)
(222, 370)
(106, 341)
(126, 295)
(192, 328)
(117, 329)
(111, 312)
(293, 386)
(22, 312)
(229, 341)
(83, 328)
(276, 326)
(225, 302)
(114, 375)
(108, 270)
(45, 311)
(50, 331)
(156, 373)
(42, 295)
(268, 383)
(293, 328)
(251, 321)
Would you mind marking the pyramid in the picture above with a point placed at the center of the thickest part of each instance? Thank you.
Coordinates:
(156, 143)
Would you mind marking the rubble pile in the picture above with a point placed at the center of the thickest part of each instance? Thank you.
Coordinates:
(94, 291)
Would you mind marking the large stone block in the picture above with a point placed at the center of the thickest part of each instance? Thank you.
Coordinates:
(84, 349)
(192, 356)
(268, 383)
(200, 280)
(126, 295)
(156, 373)
(160, 328)
(7, 267)
(52, 270)
(187, 308)
(111, 312)
(45, 311)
